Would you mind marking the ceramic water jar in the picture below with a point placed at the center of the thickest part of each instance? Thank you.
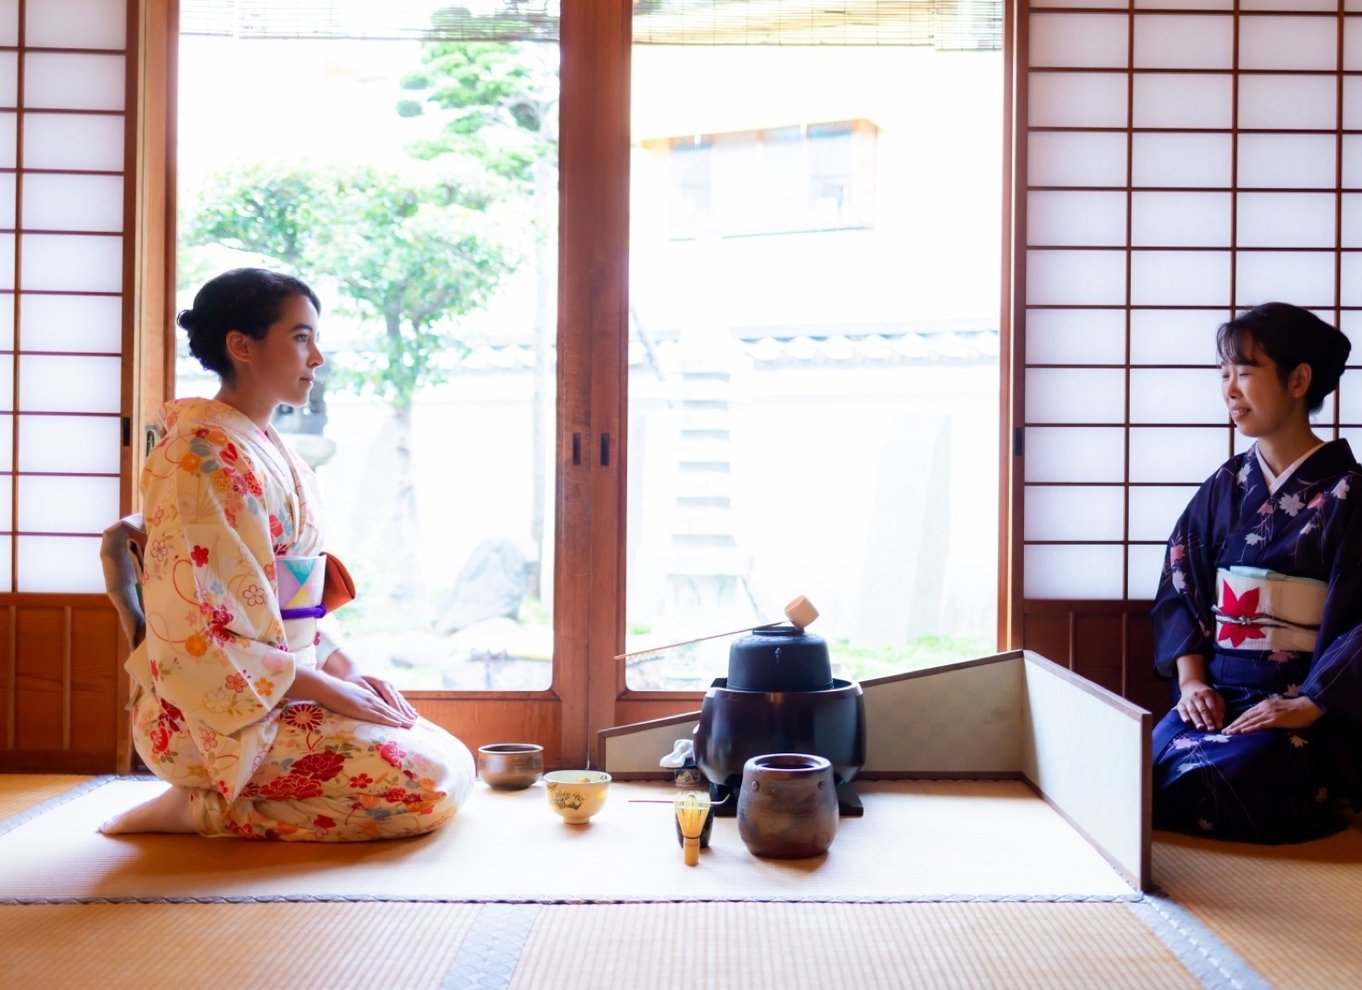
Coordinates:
(787, 806)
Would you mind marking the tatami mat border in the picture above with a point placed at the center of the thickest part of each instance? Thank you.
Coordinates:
(1210, 960)
(93, 784)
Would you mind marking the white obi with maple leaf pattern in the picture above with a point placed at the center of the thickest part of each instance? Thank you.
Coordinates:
(1258, 609)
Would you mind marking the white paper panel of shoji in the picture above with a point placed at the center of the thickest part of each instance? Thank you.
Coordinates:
(1113, 4)
(1075, 336)
(1290, 6)
(1352, 44)
(1084, 572)
(1154, 509)
(1184, 42)
(85, 444)
(76, 24)
(1075, 453)
(1305, 278)
(1079, 395)
(1145, 565)
(1179, 278)
(67, 505)
(1354, 437)
(6, 507)
(9, 141)
(80, 142)
(1076, 217)
(1075, 512)
(1285, 161)
(1352, 102)
(1352, 161)
(1081, 41)
(73, 202)
(6, 381)
(60, 81)
(1241, 442)
(1349, 399)
(1159, 159)
(70, 323)
(1174, 100)
(69, 384)
(1176, 219)
(63, 564)
(9, 79)
(73, 263)
(1174, 336)
(1289, 102)
(1176, 395)
(6, 577)
(6, 261)
(1065, 158)
(7, 200)
(1184, 4)
(9, 22)
(1351, 280)
(1076, 278)
(1351, 233)
(1176, 456)
(1288, 42)
(1076, 99)
(6, 442)
(6, 323)
(1290, 219)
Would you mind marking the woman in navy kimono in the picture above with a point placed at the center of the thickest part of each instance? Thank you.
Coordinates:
(1258, 610)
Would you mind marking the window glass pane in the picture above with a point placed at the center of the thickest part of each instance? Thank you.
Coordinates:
(432, 434)
(812, 373)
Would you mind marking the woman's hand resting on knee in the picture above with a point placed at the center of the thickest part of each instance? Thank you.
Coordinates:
(1201, 705)
(1277, 713)
(355, 696)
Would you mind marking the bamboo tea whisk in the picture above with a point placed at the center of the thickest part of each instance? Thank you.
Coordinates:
(691, 810)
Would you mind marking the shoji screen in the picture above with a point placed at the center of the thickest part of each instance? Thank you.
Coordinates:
(1183, 158)
(63, 72)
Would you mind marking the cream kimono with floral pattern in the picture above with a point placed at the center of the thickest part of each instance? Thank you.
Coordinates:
(212, 704)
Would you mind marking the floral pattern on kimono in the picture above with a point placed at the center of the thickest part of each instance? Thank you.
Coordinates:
(212, 710)
(1273, 785)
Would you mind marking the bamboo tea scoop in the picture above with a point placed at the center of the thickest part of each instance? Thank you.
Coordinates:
(800, 612)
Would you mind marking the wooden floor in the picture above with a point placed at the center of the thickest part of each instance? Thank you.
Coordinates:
(1232, 916)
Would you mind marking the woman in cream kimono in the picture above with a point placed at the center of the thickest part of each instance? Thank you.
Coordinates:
(259, 722)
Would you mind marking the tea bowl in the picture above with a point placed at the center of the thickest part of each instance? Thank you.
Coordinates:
(576, 795)
(510, 766)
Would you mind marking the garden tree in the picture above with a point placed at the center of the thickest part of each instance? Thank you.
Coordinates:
(408, 254)
(498, 105)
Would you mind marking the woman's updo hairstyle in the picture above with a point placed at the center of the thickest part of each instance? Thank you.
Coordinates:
(1290, 336)
(245, 299)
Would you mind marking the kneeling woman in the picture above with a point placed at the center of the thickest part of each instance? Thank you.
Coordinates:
(259, 722)
(1258, 610)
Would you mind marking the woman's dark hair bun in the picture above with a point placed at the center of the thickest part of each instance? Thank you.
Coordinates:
(244, 299)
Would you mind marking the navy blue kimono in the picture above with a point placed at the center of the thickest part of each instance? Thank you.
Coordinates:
(1274, 785)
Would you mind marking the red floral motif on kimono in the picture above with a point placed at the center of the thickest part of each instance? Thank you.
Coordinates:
(1243, 608)
(319, 766)
(291, 786)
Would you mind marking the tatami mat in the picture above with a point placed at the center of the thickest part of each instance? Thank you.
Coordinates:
(818, 946)
(1291, 912)
(20, 792)
(918, 840)
(298, 946)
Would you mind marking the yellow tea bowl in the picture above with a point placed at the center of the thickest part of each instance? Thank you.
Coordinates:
(576, 794)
